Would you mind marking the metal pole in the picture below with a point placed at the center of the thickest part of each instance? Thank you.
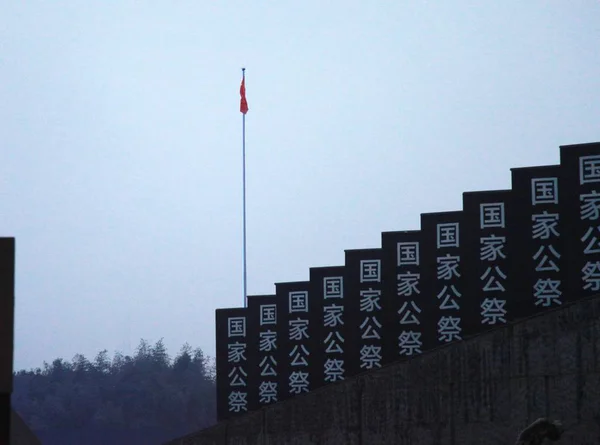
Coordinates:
(244, 192)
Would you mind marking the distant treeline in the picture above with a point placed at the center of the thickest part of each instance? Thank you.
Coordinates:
(145, 399)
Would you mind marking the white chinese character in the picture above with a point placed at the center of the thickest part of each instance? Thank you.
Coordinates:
(590, 205)
(492, 311)
(298, 358)
(268, 314)
(547, 292)
(332, 315)
(369, 300)
(546, 264)
(298, 302)
(370, 270)
(408, 254)
(407, 313)
(334, 370)
(298, 329)
(493, 284)
(491, 215)
(544, 225)
(593, 246)
(236, 327)
(298, 381)
(589, 169)
(238, 401)
(267, 366)
(491, 247)
(370, 331)
(237, 376)
(447, 235)
(332, 346)
(447, 294)
(267, 341)
(409, 343)
(449, 329)
(235, 352)
(267, 392)
(447, 267)
(544, 191)
(407, 283)
(333, 287)
(591, 275)
(370, 357)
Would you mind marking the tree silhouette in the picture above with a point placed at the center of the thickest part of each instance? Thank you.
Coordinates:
(108, 400)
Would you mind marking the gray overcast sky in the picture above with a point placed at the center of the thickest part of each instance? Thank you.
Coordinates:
(120, 167)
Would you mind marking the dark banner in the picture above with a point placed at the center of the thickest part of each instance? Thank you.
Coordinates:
(297, 338)
(363, 310)
(327, 288)
(537, 233)
(7, 311)
(488, 260)
(442, 278)
(232, 352)
(264, 354)
(402, 297)
(580, 207)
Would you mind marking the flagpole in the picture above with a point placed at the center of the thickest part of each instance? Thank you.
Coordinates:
(244, 195)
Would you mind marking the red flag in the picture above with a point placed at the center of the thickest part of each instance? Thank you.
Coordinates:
(243, 102)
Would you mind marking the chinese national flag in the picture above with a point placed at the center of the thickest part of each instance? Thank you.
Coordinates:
(243, 102)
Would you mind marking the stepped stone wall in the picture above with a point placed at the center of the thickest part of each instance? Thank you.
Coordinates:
(505, 256)
(482, 390)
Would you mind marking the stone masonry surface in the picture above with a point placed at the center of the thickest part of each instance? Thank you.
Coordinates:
(482, 390)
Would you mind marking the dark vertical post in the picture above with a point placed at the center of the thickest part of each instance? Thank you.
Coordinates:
(7, 305)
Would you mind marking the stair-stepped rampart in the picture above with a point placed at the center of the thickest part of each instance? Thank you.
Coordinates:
(505, 256)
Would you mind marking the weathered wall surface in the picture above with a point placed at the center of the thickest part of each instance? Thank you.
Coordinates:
(479, 391)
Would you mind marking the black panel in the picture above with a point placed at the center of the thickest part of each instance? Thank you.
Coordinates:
(487, 258)
(443, 274)
(264, 354)
(537, 233)
(402, 298)
(297, 338)
(328, 290)
(580, 206)
(364, 310)
(232, 341)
